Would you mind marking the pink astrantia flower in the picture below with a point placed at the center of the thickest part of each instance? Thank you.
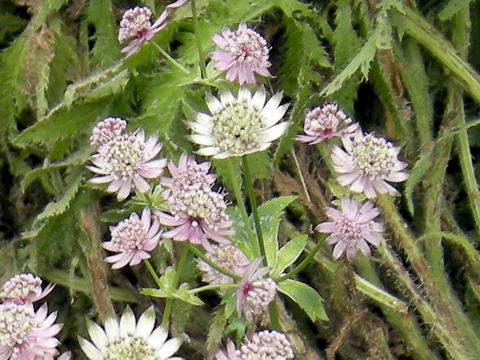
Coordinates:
(325, 122)
(228, 257)
(129, 339)
(367, 163)
(230, 352)
(196, 211)
(242, 53)
(266, 345)
(238, 126)
(24, 288)
(255, 292)
(132, 239)
(106, 130)
(350, 227)
(136, 28)
(124, 162)
(26, 334)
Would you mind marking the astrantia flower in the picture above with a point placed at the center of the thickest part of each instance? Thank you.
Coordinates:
(367, 164)
(242, 53)
(133, 238)
(26, 334)
(350, 227)
(266, 345)
(238, 126)
(255, 292)
(229, 354)
(228, 257)
(106, 130)
(24, 288)
(125, 161)
(325, 122)
(136, 28)
(129, 340)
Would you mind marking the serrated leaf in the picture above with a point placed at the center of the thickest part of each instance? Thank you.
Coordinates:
(62, 205)
(270, 214)
(305, 297)
(419, 169)
(288, 254)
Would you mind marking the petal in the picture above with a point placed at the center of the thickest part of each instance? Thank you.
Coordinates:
(272, 133)
(127, 322)
(158, 337)
(97, 334)
(91, 351)
(258, 99)
(339, 249)
(214, 105)
(272, 104)
(276, 115)
(170, 347)
(201, 139)
(146, 323)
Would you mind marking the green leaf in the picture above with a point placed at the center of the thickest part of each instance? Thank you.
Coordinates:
(422, 165)
(288, 254)
(62, 205)
(453, 7)
(270, 213)
(261, 163)
(305, 297)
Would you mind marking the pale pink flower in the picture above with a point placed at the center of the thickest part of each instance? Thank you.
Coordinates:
(226, 256)
(367, 163)
(266, 345)
(132, 239)
(127, 339)
(125, 161)
(230, 352)
(242, 53)
(350, 227)
(106, 130)
(136, 28)
(238, 126)
(325, 122)
(255, 292)
(26, 334)
(24, 288)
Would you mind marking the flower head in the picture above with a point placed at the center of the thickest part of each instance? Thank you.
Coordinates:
(367, 163)
(255, 292)
(238, 126)
(132, 239)
(242, 53)
(24, 288)
(129, 340)
(266, 345)
(125, 160)
(228, 257)
(26, 334)
(229, 354)
(350, 227)
(325, 122)
(106, 130)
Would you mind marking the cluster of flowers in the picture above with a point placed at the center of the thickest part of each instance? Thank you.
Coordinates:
(365, 164)
(27, 333)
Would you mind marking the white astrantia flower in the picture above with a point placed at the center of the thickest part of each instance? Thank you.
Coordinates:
(127, 339)
(238, 125)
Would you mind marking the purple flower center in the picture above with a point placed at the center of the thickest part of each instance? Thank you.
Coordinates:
(347, 229)
(129, 234)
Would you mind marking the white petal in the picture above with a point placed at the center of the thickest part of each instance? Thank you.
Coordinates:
(111, 328)
(200, 128)
(276, 115)
(226, 97)
(97, 334)
(203, 119)
(158, 337)
(170, 348)
(208, 151)
(146, 323)
(127, 322)
(214, 105)
(258, 99)
(272, 104)
(244, 94)
(201, 139)
(272, 133)
(91, 351)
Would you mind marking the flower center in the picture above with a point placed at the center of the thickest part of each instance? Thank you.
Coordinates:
(16, 322)
(129, 347)
(347, 229)
(249, 47)
(123, 154)
(373, 156)
(236, 125)
(129, 234)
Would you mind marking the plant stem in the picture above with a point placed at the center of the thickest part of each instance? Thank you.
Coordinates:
(202, 256)
(237, 192)
(212, 287)
(169, 301)
(300, 175)
(152, 272)
(201, 56)
(170, 59)
(253, 206)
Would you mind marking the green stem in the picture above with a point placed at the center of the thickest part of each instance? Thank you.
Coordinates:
(212, 287)
(202, 256)
(201, 55)
(237, 192)
(427, 35)
(169, 301)
(170, 59)
(253, 206)
(304, 262)
(152, 272)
